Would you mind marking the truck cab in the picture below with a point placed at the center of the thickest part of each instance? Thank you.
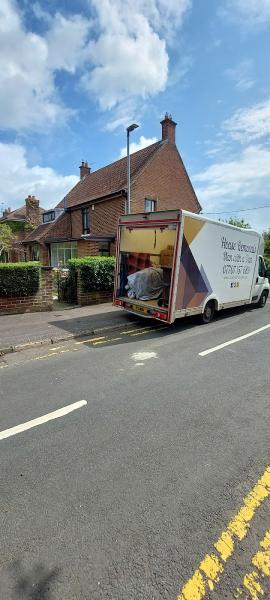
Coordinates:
(261, 285)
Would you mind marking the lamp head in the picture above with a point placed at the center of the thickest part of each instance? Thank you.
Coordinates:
(132, 127)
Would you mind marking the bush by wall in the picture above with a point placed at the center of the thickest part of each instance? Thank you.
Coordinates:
(19, 279)
(96, 272)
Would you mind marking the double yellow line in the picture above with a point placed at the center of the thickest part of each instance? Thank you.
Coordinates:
(208, 574)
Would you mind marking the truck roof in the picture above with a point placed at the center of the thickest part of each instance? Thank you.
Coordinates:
(176, 215)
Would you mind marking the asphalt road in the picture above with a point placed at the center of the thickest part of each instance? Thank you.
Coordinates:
(126, 496)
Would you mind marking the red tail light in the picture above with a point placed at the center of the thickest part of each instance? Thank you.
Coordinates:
(159, 315)
(118, 302)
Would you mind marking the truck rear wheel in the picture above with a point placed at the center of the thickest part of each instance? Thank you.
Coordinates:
(263, 299)
(208, 313)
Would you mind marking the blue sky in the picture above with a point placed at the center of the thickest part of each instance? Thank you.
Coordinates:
(73, 75)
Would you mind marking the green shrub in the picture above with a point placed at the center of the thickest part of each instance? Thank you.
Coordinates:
(96, 272)
(19, 279)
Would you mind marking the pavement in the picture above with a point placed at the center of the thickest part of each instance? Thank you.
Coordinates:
(19, 331)
(135, 465)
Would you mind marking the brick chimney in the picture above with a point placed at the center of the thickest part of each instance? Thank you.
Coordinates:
(84, 170)
(32, 210)
(168, 129)
(6, 212)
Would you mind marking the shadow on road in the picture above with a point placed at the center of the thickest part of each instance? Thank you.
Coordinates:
(33, 584)
(151, 328)
(78, 325)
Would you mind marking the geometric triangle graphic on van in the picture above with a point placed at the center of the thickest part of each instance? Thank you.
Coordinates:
(193, 281)
(191, 228)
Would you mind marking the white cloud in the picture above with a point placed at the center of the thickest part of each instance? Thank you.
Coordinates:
(243, 182)
(124, 113)
(135, 146)
(66, 41)
(129, 57)
(28, 64)
(18, 179)
(126, 60)
(249, 124)
(241, 76)
(252, 13)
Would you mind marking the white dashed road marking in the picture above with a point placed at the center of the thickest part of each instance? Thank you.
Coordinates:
(234, 341)
(61, 412)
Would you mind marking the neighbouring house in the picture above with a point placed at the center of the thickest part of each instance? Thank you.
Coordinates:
(21, 221)
(85, 222)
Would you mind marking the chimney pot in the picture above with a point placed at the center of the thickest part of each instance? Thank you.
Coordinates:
(168, 128)
(84, 170)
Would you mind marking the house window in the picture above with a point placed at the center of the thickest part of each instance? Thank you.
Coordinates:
(35, 252)
(48, 216)
(149, 205)
(85, 220)
(62, 252)
(104, 249)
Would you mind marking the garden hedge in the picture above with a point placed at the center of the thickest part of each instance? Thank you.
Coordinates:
(96, 273)
(19, 279)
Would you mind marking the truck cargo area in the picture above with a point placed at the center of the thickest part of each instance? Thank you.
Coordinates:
(143, 279)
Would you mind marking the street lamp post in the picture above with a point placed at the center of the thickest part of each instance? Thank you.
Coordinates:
(129, 129)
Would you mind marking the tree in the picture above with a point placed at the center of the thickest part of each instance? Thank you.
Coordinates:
(266, 237)
(6, 239)
(238, 223)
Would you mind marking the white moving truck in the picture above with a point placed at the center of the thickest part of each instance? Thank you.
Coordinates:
(172, 264)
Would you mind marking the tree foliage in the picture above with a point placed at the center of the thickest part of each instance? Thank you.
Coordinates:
(6, 238)
(266, 237)
(238, 223)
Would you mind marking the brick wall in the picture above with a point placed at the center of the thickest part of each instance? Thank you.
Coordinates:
(88, 298)
(166, 180)
(106, 214)
(103, 219)
(44, 254)
(87, 248)
(76, 223)
(41, 301)
(62, 227)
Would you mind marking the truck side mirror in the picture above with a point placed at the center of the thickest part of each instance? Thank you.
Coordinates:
(267, 273)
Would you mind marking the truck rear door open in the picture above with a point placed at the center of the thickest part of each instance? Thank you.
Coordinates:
(145, 266)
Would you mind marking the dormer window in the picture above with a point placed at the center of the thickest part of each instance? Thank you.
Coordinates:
(85, 221)
(48, 216)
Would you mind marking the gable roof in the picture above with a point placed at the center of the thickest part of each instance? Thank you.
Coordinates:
(110, 179)
(19, 214)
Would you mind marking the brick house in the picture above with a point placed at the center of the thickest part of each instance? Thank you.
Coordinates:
(85, 222)
(20, 222)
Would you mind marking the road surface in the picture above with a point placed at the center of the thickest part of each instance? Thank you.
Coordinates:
(136, 465)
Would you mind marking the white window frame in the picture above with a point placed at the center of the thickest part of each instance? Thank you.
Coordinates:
(68, 248)
(149, 205)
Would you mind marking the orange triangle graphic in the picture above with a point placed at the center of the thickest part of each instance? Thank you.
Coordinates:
(191, 228)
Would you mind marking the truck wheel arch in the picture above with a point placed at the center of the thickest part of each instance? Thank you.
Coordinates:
(263, 298)
(210, 298)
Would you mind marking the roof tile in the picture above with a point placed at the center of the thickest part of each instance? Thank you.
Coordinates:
(109, 179)
(19, 214)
